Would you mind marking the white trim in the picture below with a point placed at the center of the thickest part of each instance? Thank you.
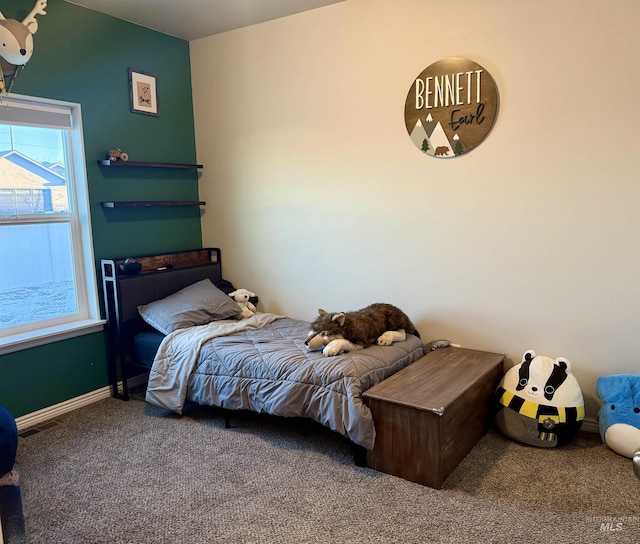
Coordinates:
(590, 425)
(51, 412)
(34, 418)
(31, 339)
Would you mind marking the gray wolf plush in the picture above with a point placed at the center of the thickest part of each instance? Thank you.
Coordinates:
(341, 332)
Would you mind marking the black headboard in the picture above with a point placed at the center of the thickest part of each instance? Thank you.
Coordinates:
(159, 276)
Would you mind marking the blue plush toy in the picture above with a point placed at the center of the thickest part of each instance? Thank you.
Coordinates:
(8, 441)
(619, 416)
(11, 515)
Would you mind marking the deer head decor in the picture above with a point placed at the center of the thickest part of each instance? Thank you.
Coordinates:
(16, 44)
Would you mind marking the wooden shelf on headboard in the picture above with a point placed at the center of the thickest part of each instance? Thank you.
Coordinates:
(167, 261)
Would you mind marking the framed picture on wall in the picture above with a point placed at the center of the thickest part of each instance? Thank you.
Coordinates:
(143, 93)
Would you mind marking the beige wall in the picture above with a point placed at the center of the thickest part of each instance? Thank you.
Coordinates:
(318, 197)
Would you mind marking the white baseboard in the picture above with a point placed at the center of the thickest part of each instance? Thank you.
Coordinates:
(50, 412)
(590, 425)
(35, 418)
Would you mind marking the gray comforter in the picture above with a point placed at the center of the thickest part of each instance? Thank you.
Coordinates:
(261, 364)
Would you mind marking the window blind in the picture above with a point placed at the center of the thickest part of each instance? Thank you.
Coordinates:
(18, 111)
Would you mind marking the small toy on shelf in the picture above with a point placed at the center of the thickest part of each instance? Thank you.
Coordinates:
(539, 402)
(117, 154)
(242, 296)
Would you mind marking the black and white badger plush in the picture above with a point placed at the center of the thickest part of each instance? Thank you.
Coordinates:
(539, 402)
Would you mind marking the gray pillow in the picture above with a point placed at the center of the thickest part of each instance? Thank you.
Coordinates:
(197, 304)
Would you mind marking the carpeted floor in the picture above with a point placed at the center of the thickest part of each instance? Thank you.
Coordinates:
(126, 472)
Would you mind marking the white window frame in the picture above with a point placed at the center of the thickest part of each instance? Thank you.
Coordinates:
(88, 319)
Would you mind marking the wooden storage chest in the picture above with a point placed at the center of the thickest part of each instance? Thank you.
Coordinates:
(429, 415)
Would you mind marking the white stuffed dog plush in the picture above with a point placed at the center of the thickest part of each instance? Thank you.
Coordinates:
(242, 296)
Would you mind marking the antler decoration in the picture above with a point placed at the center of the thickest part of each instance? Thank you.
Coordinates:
(16, 44)
(30, 20)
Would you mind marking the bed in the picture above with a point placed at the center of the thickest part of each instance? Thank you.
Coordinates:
(259, 364)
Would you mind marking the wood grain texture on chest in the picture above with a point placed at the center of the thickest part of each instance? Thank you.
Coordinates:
(429, 415)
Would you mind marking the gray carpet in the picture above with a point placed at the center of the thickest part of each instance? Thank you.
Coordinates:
(126, 472)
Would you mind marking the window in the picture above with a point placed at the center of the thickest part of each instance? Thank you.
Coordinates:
(47, 273)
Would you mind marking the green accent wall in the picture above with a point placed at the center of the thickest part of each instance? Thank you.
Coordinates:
(83, 56)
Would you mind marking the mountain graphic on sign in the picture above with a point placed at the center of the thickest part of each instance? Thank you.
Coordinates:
(429, 125)
(418, 135)
(440, 142)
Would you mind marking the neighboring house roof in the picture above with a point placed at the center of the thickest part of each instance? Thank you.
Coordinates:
(56, 167)
(52, 173)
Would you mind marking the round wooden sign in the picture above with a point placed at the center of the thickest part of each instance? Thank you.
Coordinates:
(451, 107)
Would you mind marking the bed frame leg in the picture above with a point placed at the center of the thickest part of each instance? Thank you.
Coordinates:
(359, 456)
(227, 418)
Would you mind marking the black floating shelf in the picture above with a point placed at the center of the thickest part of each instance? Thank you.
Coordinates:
(107, 162)
(151, 203)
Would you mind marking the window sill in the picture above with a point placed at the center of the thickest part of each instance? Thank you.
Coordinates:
(41, 337)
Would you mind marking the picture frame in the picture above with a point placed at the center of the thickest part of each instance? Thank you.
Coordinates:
(143, 93)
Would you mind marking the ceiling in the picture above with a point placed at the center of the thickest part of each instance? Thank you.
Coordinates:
(193, 19)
